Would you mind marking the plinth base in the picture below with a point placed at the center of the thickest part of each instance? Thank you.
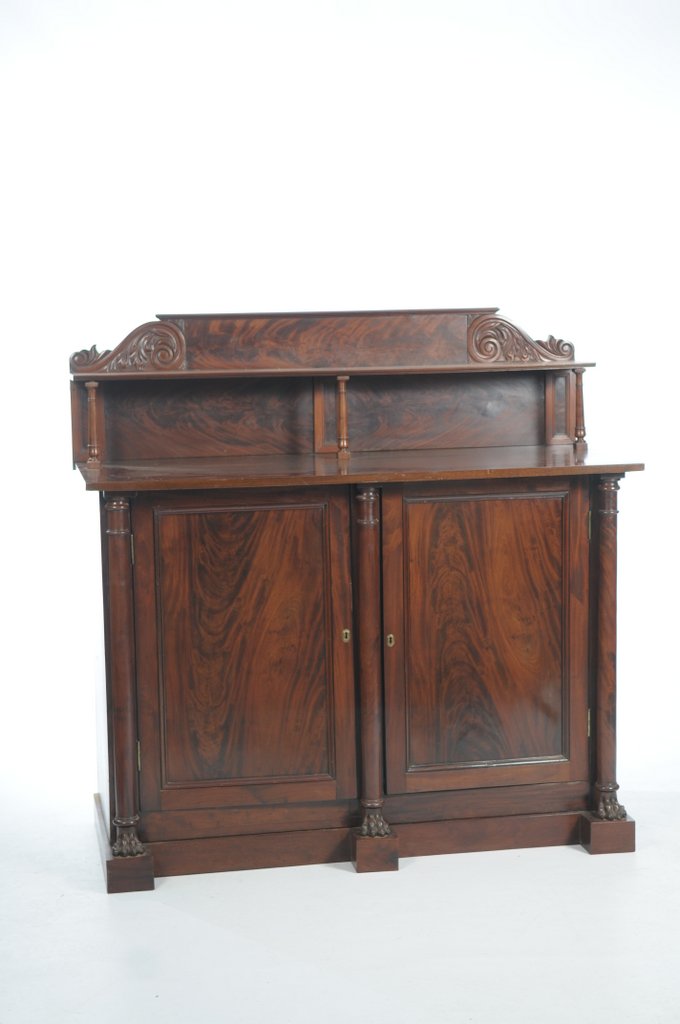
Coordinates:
(374, 854)
(599, 836)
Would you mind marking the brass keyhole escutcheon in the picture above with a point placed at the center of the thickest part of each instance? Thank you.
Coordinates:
(346, 636)
(389, 640)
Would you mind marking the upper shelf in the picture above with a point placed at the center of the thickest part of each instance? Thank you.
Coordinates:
(323, 344)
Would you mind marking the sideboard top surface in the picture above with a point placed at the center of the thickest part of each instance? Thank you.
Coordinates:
(363, 467)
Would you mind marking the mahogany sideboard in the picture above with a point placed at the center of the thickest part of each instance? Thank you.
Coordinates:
(359, 589)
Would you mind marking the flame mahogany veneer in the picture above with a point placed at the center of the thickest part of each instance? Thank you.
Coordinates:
(359, 591)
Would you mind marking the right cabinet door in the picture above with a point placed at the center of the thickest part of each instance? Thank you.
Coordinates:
(486, 629)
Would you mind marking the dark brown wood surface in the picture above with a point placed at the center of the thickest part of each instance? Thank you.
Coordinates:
(350, 583)
(307, 344)
(539, 461)
(487, 679)
(180, 419)
(367, 520)
(354, 340)
(398, 413)
(605, 798)
(244, 619)
(327, 846)
(122, 680)
(255, 693)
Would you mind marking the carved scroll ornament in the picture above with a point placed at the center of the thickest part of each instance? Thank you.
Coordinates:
(152, 347)
(491, 339)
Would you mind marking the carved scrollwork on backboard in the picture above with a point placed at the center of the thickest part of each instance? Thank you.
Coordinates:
(491, 339)
(88, 356)
(153, 347)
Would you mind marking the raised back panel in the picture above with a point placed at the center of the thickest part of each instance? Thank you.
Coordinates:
(352, 341)
(402, 413)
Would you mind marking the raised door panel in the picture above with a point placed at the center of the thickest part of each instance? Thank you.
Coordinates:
(486, 597)
(246, 686)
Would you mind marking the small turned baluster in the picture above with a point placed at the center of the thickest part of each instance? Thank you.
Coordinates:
(580, 431)
(92, 440)
(341, 418)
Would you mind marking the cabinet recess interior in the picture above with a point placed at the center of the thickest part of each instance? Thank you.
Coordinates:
(359, 592)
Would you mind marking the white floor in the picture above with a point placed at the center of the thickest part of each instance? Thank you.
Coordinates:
(519, 936)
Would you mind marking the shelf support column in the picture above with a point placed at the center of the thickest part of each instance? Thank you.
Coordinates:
(374, 845)
(607, 829)
(123, 871)
(93, 451)
(580, 431)
(341, 418)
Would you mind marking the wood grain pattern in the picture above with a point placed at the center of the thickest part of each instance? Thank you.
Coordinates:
(326, 846)
(530, 461)
(78, 422)
(350, 341)
(605, 799)
(480, 690)
(300, 816)
(485, 629)
(236, 853)
(367, 522)
(121, 675)
(255, 698)
(427, 612)
(560, 407)
(308, 343)
(244, 619)
(397, 413)
(502, 833)
(180, 419)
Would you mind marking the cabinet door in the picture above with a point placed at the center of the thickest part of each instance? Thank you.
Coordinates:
(486, 596)
(246, 692)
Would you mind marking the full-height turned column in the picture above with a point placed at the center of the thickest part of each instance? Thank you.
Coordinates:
(127, 844)
(608, 828)
(374, 845)
(605, 800)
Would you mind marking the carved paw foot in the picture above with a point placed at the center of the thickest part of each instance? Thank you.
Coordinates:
(127, 844)
(374, 825)
(609, 808)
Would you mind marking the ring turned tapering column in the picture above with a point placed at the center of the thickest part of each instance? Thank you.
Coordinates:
(374, 845)
(605, 800)
(607, 829)
(122, 676)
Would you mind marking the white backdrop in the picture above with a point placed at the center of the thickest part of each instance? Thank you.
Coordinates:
(259, 156)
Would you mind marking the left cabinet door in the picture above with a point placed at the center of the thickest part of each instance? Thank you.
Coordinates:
(245, 680)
